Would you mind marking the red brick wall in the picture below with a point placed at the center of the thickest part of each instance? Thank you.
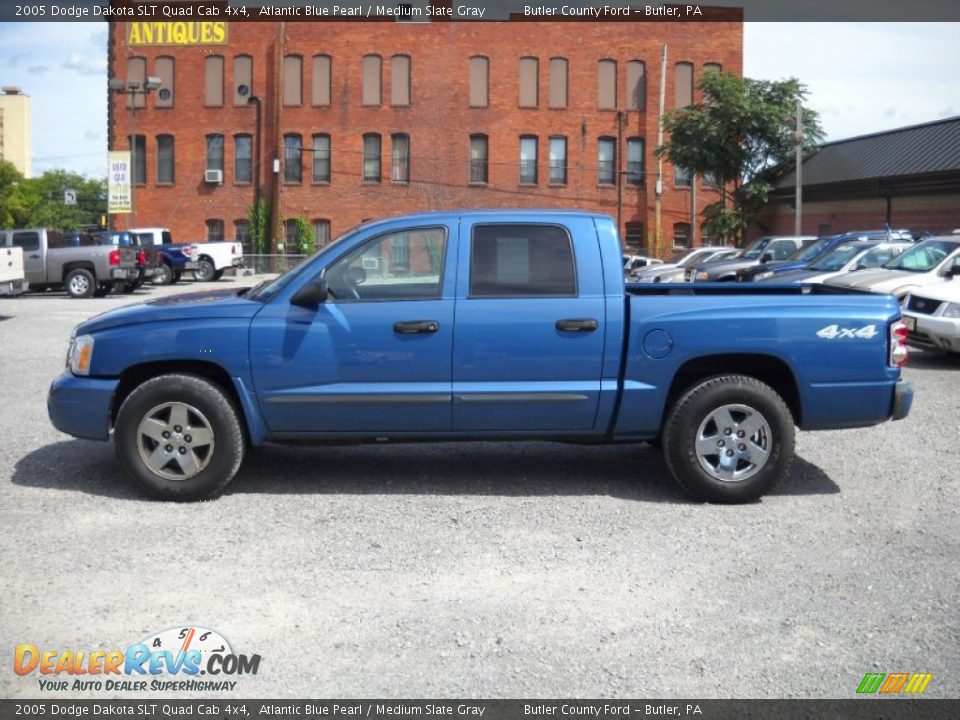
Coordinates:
(438, 121)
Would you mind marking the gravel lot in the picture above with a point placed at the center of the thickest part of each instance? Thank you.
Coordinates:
(488, 570)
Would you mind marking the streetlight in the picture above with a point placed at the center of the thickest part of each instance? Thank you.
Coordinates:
(134, 88)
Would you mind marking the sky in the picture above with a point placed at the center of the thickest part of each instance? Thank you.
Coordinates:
(862, 77)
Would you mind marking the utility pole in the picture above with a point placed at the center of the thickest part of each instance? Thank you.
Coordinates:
(797, 217)
(658, 232)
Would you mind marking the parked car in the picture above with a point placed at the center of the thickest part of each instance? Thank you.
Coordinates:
(932, 315)
(174, 260)
(12, 278)
(927, 263)
(148, 257)
(637, 262)
(814, 251)
(502, 324)
(214, 258)
(844, 258)
(676, 269)
(85, 271)
(764, 250)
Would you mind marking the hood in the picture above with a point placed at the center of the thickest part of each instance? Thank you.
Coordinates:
(946, 291)
(724, 267)
(647, 274)
(878, 281)
(793, 276)
(189, 306)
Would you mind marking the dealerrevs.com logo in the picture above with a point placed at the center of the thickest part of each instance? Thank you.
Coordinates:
(182, 658)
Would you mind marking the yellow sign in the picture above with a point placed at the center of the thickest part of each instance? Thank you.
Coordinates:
(118, 182)
(177, 33)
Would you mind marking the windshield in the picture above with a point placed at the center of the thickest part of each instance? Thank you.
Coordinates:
(838, 257)
(756, 250)
(811, 251)
(691, 258)
(924, 257)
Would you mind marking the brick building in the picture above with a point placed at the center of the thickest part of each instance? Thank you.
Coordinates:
(368, 119)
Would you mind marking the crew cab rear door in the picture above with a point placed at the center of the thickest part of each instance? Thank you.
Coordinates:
(530, 326)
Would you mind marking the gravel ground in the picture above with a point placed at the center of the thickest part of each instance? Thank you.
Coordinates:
(488, 570)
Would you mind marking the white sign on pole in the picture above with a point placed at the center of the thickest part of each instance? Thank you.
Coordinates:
(69, 197)
(118, 182)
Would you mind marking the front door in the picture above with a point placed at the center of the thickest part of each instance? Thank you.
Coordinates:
(375, 357)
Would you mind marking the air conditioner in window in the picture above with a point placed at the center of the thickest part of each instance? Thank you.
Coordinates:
(371, 263)
(214, 177)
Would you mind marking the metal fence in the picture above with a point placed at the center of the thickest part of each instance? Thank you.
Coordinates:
(272, 264)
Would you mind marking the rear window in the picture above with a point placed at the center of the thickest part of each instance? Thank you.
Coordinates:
(167, 237)
(521, 261)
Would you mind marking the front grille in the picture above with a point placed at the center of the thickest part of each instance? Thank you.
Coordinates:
(923, 305)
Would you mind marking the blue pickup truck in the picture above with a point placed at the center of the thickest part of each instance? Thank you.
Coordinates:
(481, 325)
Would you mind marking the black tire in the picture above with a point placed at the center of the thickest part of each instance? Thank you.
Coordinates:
(761, 458)
(102, 290)
(206, 407)
(129, 287)
(163, 276)
(80, 283)
(218, 274)
(204, 271)
(177, 274)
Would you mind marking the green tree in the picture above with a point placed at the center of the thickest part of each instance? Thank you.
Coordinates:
(259, 216)
(743, 134)
(14, 205)
(44, 196)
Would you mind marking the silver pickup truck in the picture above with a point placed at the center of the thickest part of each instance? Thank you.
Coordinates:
(49, 262)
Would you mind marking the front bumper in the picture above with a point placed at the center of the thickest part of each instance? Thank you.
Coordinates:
(80, 406)
(902, 399)
(123, 273)
(931, 332)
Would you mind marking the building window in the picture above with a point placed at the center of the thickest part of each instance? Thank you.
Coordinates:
(400, 252)
(321, 233)
(215, 152)
(321, 158)
(683, 82)
(478, 159)
(242, 158)
(479, 81)
(241, 233)
(521, 261)
(291, 236)
(710, 181)
(242, 79)
(636, 85)
(400, 80)
(681, 177)
(607, 85)
(164, 160)
(528, 159)
(321, 80)
(371, 157)
(400, 158)
(529, 81)
(371, 79)
(558, 83)
(681, 234)
(137, 73)
(213, 81)
(163, 67)
(140, 160)
(635, 241)
(634, 161)
(558, 161)
(292, 80)
(214, 230)
(606, 161)
(713, 67)
(292, 158)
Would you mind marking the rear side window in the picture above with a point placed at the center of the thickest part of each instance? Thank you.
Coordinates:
(521, 261)
(26, 240)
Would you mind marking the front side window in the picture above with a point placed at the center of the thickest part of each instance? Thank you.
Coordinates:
(292, 154)
(215, 152)
(528, 159)
(321, 158)
(606, 161)
(782, 249)
(521, 261)
(558, 161)
(242, 159)
(400, 158)
(400, 265)
(371, 157)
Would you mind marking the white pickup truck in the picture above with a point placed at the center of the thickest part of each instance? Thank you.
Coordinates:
(213, 258)
(12, 277)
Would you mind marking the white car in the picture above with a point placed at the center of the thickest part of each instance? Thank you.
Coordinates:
(926, 263)
(213, 258)
(677, 269)
(847, 257)
(932, 315)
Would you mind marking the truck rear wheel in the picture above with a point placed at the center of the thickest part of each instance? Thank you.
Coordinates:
(179, 437)
(204, 271)
(728, 439)
(80, 283)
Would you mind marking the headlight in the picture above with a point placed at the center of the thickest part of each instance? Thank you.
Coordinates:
(80, 355)
(702, 275)
(763, 275)
(952, 310)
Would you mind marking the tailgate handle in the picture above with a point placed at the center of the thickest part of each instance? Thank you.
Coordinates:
(416, 327)
(577, 325)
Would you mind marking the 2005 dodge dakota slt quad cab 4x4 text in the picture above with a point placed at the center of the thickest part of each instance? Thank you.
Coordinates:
(484, 325)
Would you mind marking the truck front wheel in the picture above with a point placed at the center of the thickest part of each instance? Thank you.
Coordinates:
(728, 439)
(179, 437)
(163, 275)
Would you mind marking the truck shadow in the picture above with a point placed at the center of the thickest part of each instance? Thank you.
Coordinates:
(629, 472)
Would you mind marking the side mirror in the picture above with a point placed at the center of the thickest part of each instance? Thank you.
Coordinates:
(312, 294)
(766, 257)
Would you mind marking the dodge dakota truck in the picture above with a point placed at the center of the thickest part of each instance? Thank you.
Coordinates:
(481, 325)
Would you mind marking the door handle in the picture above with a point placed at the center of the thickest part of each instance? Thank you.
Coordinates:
(416, 327)
(34, 257)
(577, 325)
